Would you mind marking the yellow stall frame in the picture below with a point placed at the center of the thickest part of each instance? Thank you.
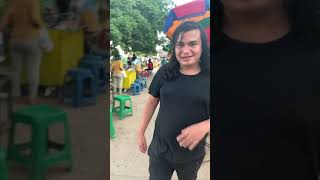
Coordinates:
(131, 77)
(67, 52)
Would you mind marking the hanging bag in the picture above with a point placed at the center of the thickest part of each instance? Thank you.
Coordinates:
(45, 41)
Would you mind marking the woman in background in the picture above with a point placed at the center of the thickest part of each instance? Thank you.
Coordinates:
(24, 20)
(149, 66)
(117, 70)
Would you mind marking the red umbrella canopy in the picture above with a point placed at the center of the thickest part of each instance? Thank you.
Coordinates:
(198, 10)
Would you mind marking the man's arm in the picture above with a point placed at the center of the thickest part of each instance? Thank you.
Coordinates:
(148, 111)
(149, 108)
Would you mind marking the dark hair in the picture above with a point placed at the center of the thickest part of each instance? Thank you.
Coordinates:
(116, 54)
(304, 17)
(172, 69)
(134, 57)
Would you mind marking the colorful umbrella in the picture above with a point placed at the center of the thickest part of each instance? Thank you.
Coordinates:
(198, 10)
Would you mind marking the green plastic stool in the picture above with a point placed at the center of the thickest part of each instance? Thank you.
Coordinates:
(40, 117)
(112, 129)
(3, 166)
(122, 110)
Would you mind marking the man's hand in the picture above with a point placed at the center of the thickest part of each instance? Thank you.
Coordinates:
(142, 143)
(192, 135)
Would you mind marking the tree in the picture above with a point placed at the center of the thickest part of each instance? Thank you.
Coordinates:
(134, 23)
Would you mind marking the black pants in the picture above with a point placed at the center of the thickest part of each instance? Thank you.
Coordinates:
(161, 169)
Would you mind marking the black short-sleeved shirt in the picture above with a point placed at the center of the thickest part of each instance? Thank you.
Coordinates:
(183, 101)
(267, 110)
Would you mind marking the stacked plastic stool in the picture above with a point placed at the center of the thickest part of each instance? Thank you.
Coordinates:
(40, 158)
(141, 84)
(135, 89)
(145, 73)
(3, 166)
(144, 81)
(103, 55)
(84, 87)
(122, 110)
(93, 57)
(98, 69)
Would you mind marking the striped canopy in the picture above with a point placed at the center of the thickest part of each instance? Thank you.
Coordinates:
(198, 10)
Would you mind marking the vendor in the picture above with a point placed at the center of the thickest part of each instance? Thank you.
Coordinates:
(150, 66)
(88, 13)
(89, 22)
(138, 68)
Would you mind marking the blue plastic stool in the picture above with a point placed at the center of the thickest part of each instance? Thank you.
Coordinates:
(84, 87)
(98, 69)
(144, 80)
(92, 57)
(135, 88)
(104, 55)
(141, 84)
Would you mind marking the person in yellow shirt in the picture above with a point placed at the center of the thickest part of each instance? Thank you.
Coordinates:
(117, 69)
(23, 17)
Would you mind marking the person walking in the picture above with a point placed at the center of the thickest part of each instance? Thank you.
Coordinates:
(182, 87)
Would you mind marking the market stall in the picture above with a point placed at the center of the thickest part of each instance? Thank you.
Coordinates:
(68, 50)
(129, 80)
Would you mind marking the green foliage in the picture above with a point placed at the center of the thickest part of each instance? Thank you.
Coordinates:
(3, 4)
(134, 23)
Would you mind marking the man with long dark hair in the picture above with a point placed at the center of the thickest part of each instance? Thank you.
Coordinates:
(266, 90)
(183, 89)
